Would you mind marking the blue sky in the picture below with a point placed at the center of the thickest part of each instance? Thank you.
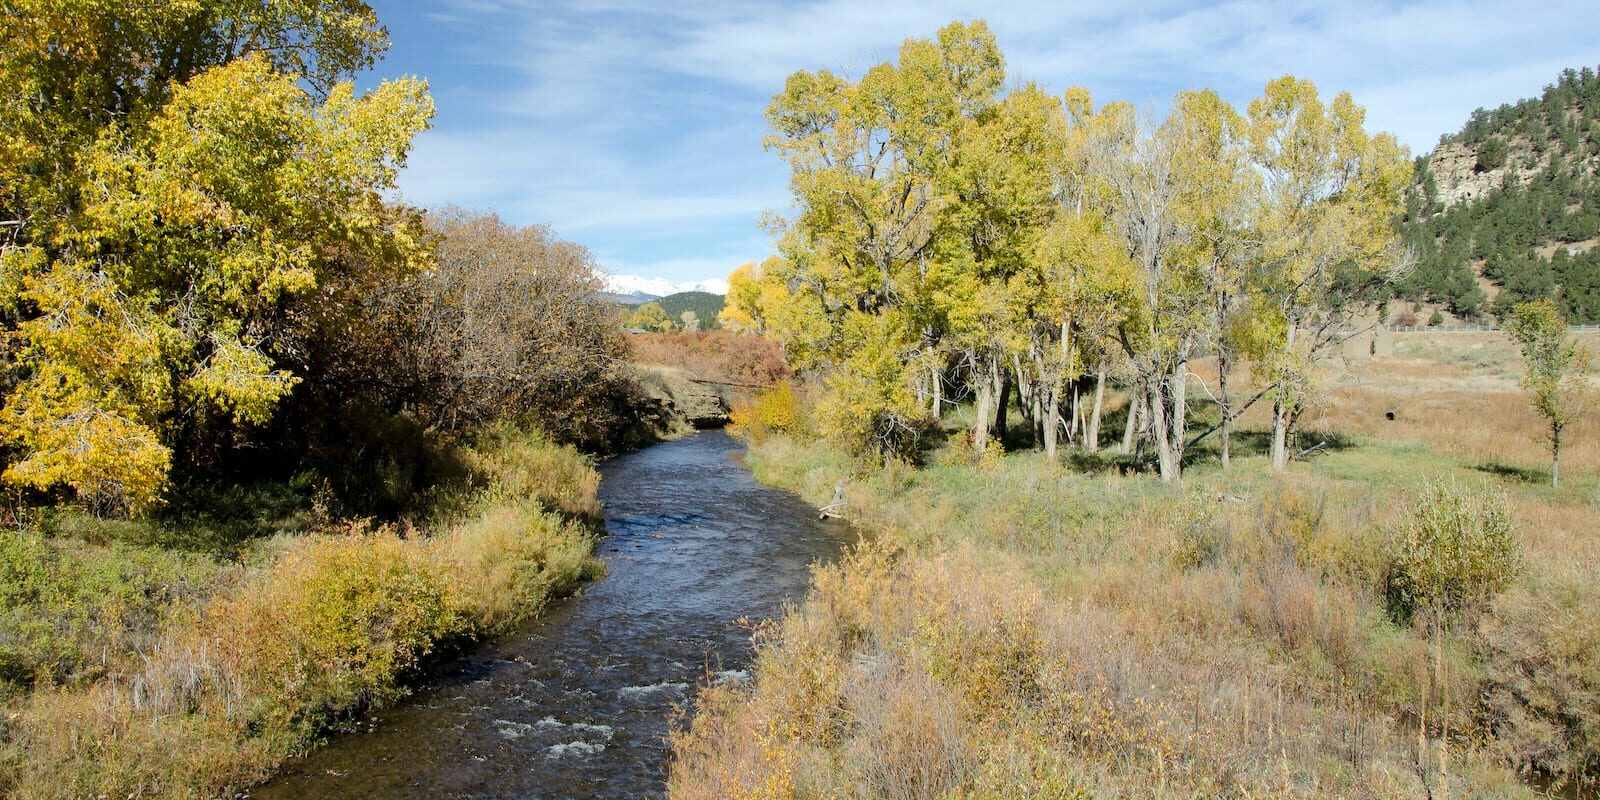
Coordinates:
(634, 127)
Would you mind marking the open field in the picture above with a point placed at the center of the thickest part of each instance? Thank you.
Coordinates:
(1457, 394)
(1025, 629)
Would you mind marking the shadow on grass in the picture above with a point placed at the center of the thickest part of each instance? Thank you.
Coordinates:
(1315, 444)
(1524, 474)
(1109, 460)
(1245, 442)
(932, 439)
(215, 518)
(1249, 442)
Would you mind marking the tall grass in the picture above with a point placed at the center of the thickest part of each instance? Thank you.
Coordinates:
(1041, 632)
(329, 624)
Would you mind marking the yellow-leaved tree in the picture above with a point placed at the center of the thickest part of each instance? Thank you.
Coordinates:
(1326, 226)
(153, 273)
(867, 258)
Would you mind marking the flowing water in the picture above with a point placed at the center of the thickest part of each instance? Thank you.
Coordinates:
(579, 702)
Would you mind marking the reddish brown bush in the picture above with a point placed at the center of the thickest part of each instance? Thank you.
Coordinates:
(744, 359)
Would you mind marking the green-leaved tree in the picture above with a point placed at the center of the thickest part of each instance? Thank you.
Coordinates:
(1557, 372)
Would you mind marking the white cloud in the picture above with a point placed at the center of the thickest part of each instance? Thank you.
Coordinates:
(634, 126)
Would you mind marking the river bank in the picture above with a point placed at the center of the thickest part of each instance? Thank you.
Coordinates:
(203, 690)
(579, 703)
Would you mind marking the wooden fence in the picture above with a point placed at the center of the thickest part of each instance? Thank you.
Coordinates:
(1470, 328)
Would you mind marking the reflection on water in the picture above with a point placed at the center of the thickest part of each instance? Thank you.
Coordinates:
(578, 703)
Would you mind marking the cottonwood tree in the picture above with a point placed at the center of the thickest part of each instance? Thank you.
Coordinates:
(1327, 239)
(742, 308)
(1140, 172)
(1030, 244)
(174, 176)
(70, 69)
(148, 297)
(774, 299)
(1215, 190)
(650, 317)
(1079, 285)
(1556, 374)
(1002, 198)
(870, 165)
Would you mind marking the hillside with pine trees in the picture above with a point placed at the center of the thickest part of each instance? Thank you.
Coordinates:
(1508, 209)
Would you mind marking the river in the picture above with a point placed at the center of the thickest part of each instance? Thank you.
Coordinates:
(579, 702)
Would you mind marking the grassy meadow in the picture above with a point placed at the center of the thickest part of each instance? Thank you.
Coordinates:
(1028, 629)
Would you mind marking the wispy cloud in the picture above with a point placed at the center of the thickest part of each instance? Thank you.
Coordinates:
(634, 126)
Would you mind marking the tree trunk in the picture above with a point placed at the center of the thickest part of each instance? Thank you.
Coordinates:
(1091, 434)
(1422, 735)
(1003, 380)
(1225, 403)
(1025, 387)
(938, 392)
(1282, 414)
(1052, 421)
(1280, 435)
(1179, 381)
(1135, 399)
(984, 387)
(1027, 401)
(1077, 411)
(1442, 678)
(1555, 456)
(1036, 403)
(1166, 461)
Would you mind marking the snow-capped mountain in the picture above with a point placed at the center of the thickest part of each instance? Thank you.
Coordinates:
(661, 287)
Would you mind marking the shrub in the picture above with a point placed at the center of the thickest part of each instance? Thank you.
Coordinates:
(334, 626)
(1541, 693)
(506, 561)
(69, 611)
(1457, 549)
(1491, 154)
(736, 358)
(519, 463)
(1197, 544)
(776, 410)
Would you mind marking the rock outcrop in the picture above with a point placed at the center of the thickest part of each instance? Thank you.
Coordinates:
(689, 403)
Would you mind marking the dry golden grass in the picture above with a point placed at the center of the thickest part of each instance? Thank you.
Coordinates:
(1491, 428)
(1455, 393)
(955, 676)
(1068, 636)
(1049, 634)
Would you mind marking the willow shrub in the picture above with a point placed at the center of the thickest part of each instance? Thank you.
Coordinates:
(775, 410)
(1456, 550)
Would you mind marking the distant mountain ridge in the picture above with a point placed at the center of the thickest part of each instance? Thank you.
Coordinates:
(1508, 209)
(655, 288)
(707, 307)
